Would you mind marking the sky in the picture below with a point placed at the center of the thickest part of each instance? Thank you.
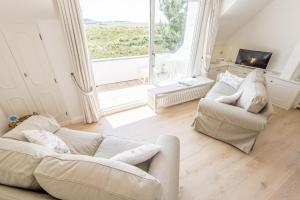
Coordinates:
(119, 10)
(116, 10)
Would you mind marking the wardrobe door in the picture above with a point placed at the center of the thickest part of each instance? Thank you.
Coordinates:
(27, 47)
(14, 96)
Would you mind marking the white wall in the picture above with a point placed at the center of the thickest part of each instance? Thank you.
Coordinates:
(293, 64)
(3, 123)
(43, 14)
(53, 39)
(275, 28)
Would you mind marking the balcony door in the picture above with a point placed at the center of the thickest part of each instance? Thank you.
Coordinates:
(171, 36)
(136, 42)
(118, 39)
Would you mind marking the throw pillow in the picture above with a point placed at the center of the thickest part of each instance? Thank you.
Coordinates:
(229, 99)
(46, 139)
(137, 155)
(231, 80)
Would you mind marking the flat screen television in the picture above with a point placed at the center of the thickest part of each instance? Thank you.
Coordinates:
(252, 58)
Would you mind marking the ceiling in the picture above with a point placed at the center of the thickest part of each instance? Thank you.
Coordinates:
(235, 14)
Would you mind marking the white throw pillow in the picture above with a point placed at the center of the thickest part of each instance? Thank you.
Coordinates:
(230, 99)
(137, 155)
(231, 79)
(46, 139)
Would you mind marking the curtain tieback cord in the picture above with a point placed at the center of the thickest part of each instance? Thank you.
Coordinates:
(87, 93)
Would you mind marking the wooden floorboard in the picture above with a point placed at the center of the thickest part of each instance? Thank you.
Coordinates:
(212, 170)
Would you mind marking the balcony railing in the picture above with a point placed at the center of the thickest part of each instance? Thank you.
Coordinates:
(113, 70)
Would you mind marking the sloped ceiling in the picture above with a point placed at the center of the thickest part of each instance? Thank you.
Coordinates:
(235, 14)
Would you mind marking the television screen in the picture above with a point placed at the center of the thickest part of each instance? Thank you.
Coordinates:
(252, 58)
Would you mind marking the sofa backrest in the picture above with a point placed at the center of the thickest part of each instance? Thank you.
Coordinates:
(35, 122)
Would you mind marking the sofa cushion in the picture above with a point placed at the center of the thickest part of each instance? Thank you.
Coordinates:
(80, 142)
(80, 177)
(254, 97)
(13, 193)
(112, 146)
(220, 89)
(18, 160)
(36, 122)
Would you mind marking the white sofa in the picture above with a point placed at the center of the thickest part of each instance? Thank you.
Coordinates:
(238, 124)
(33, 172)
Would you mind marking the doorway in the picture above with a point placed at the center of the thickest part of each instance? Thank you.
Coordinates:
(135, 44)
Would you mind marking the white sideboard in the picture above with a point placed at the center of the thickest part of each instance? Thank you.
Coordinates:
(283, 93)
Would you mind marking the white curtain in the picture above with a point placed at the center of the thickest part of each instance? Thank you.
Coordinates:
(206, 33)
(82, 74)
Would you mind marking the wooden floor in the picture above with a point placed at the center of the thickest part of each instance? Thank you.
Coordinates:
(212, 170)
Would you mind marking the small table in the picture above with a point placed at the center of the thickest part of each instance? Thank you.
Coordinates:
(178, 92)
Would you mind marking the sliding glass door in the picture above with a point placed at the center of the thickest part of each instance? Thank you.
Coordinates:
(172, 25)
(128, 49)
(118, 37)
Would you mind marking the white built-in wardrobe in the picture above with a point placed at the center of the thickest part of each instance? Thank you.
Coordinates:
(27, 80)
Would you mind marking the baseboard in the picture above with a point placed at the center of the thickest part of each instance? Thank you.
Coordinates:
(73, 120)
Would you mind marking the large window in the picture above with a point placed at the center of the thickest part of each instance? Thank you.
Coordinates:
(119, 33)
(118, 28)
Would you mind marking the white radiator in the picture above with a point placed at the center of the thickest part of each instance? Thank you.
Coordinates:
(173, 98)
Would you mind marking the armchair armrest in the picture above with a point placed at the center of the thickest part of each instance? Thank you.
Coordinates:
(232, 115)
(165, 166)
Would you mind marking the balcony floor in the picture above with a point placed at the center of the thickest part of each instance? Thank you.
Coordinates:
(122, 93)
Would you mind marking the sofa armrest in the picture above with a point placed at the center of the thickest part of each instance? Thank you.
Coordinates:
(165, 166)
(232, 115)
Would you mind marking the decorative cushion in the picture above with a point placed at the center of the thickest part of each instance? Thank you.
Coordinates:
(220, 89)
(112, 145)
(231, 99)
(137, 155)
(80, 177)
(231, 79)
(36, 122)
(18, 161)
(254, 98)
(46, 139)
(80, 142)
